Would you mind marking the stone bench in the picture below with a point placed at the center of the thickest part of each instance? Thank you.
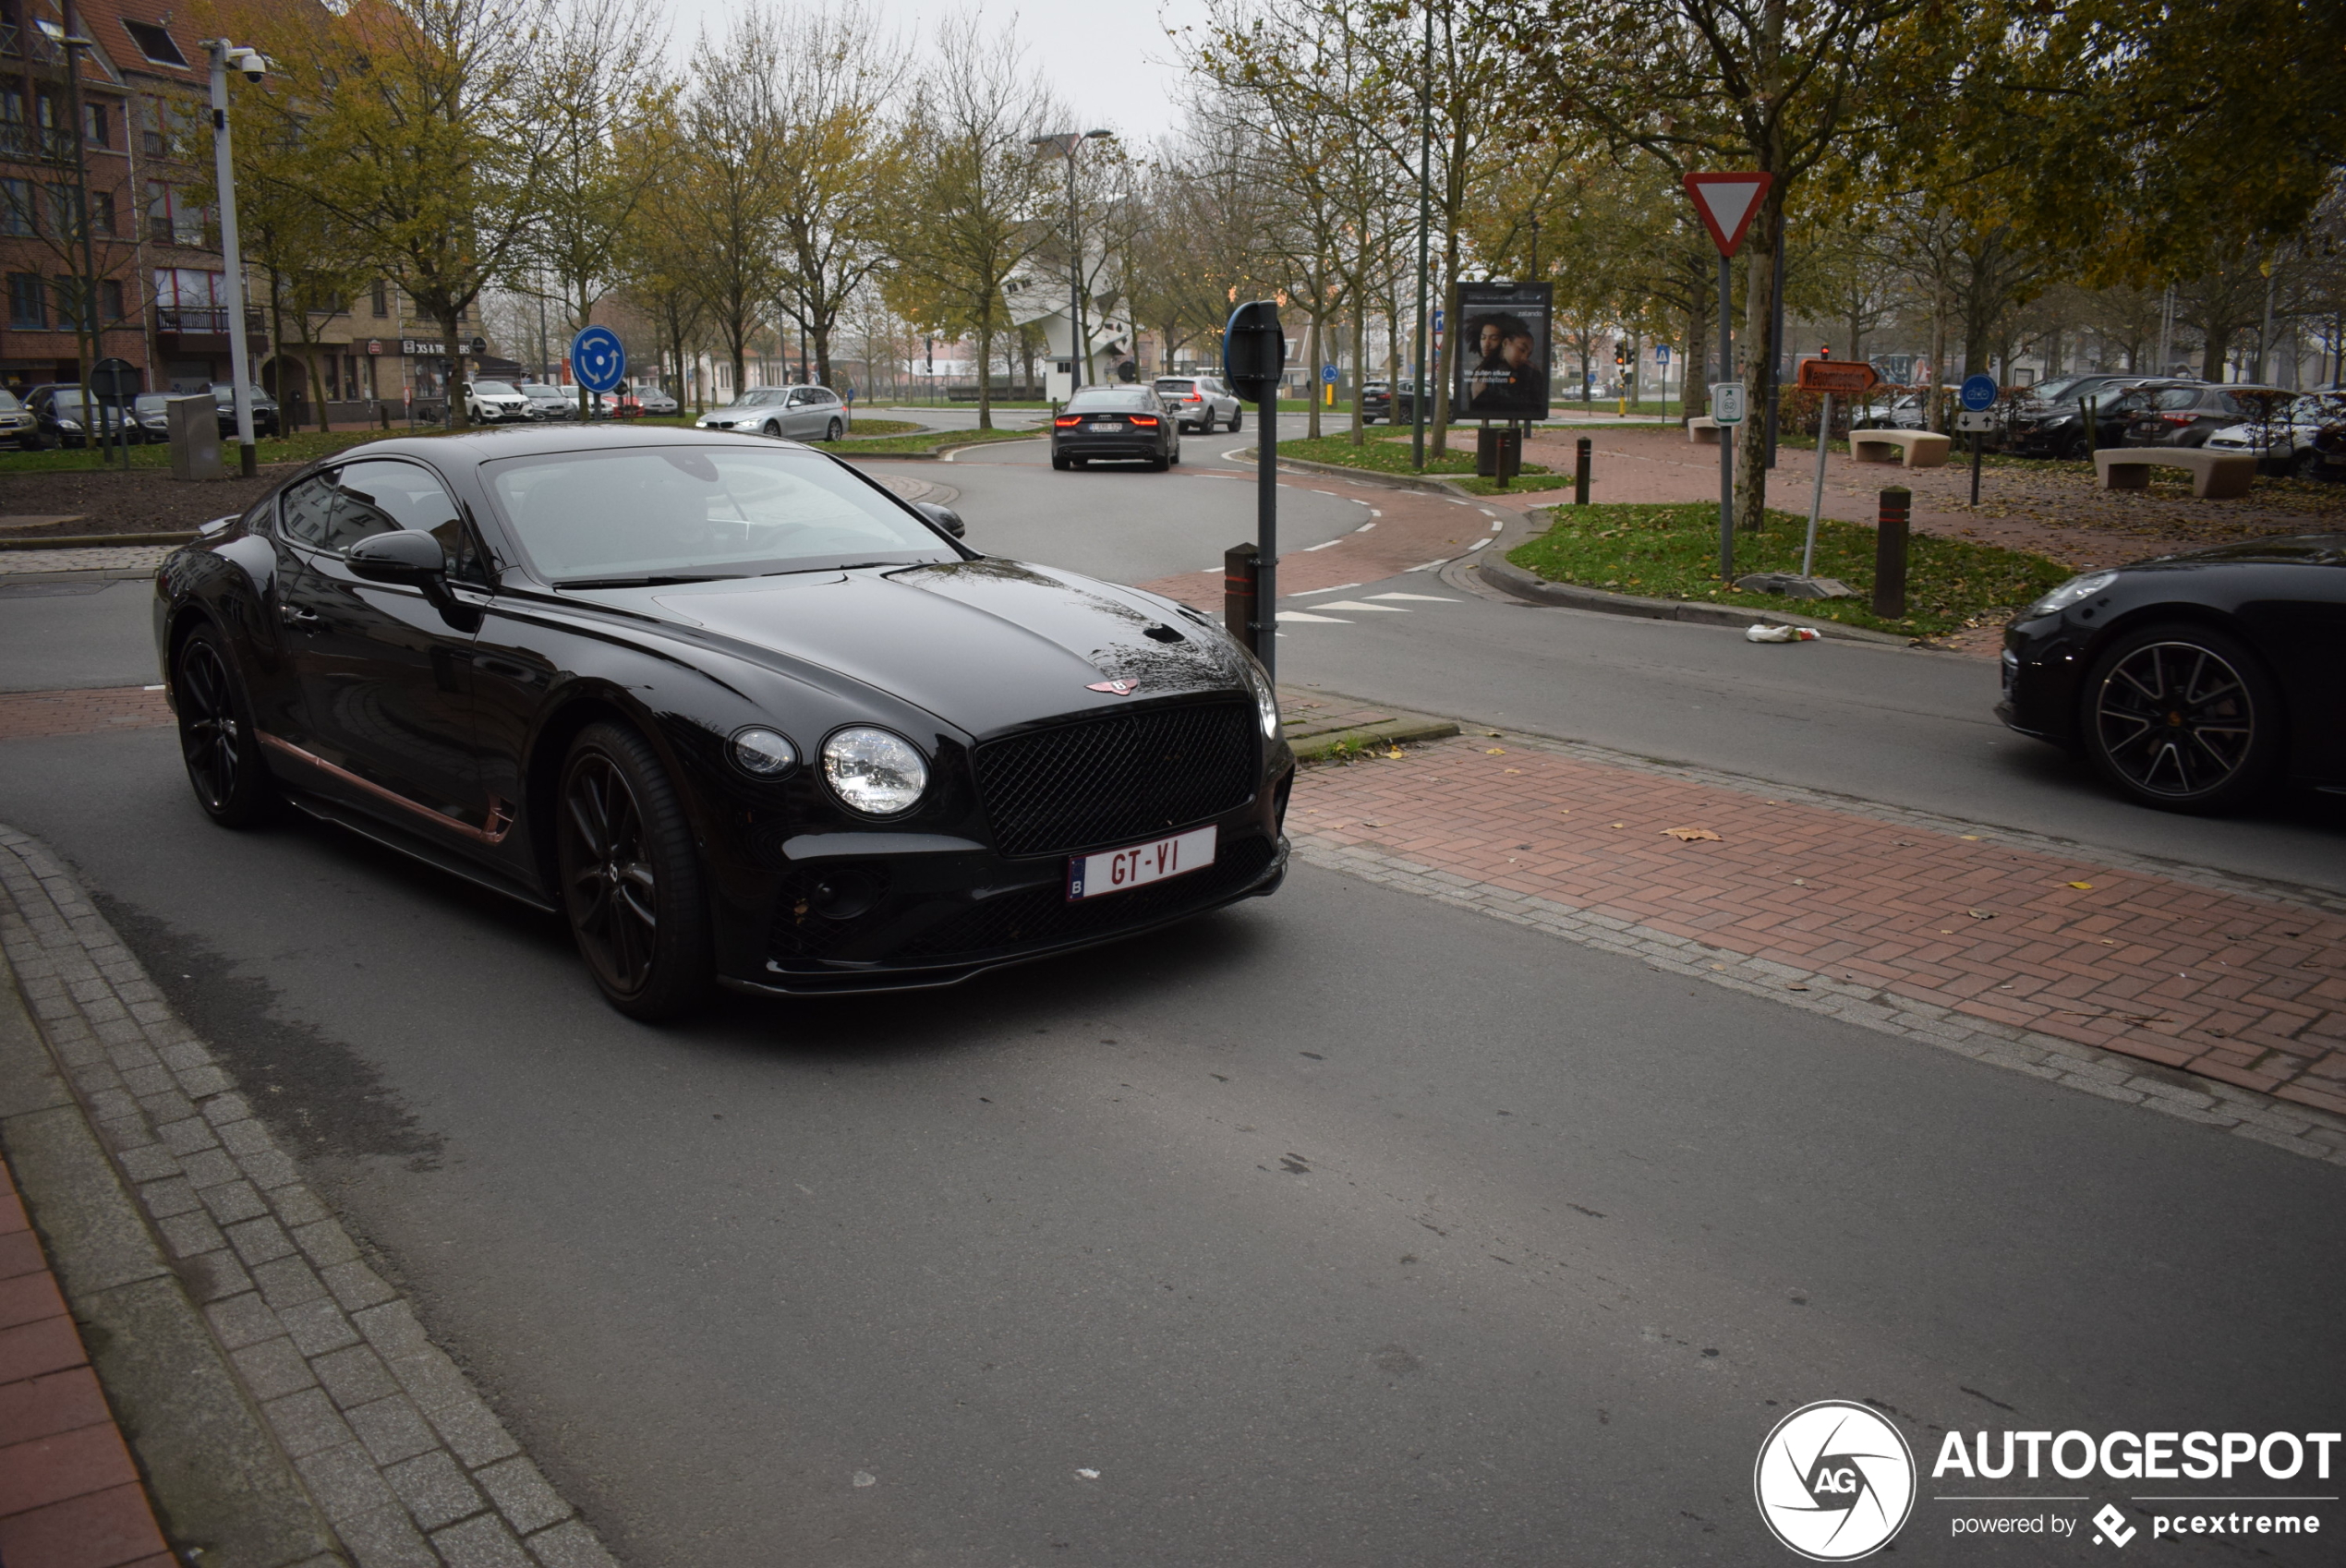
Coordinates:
(1915, 449)
(1703, 430)
(2215, 476)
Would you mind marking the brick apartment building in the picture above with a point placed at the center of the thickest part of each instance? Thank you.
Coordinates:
(154, 245)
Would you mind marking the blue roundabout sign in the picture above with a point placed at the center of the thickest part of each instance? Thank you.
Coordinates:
(597, 359)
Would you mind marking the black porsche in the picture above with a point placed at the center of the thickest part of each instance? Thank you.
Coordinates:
(2192, 682)
(727, 704)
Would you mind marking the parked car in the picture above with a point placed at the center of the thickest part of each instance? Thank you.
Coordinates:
(1379, 399)
(550, 402)
(58, 416)
(799, 412)
(266, 417)
(149, 412)
(495, 403)
(16, 423)
(2188, 415)
(2289, 439)
(2192, 682)
(1903, 412)
(734, 712)
(1116, 424)
(657, 403)
(1203, 402)
(2060, 429)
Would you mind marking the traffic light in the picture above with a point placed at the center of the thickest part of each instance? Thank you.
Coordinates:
(1621, 353)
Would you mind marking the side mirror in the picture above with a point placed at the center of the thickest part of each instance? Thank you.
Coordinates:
(944, 517)
(400, 555)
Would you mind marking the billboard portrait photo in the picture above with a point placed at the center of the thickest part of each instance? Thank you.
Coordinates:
(1503, 353)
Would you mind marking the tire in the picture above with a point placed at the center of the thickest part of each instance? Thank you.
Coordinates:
(1061, 461)
(631, 881)
(836, 430)
(1176, 454)
(2181, 717)
(771, 430)
(2306, 464)
(217, 739)
(1160, 463)
(1237, 421)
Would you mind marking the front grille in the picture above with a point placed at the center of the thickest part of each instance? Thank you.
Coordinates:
(1034, 916)
(1112, 781)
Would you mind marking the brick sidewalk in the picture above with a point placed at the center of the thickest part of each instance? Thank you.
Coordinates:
(70, 1494)
(27, 714)
(2247, 990)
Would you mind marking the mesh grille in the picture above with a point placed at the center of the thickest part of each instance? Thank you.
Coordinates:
(1110, 780)
(1037, 915)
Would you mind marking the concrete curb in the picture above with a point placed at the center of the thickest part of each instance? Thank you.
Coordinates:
(1501, 574)
(934, 454)
(285, 1404)
(1395, 731)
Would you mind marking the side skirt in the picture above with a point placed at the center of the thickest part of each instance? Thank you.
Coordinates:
(414, 848)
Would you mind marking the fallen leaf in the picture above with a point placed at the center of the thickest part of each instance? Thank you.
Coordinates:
(1981, 915)
(1690, 835)
(1496, 752)
(1397, 752)
(1796, 988)
(1971, 838)
(1366, 823)
(2083, 887)
(1620, 824)
(1515, 770)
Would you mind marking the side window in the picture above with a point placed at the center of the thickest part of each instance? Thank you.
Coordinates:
(305, 509)
(378, 496)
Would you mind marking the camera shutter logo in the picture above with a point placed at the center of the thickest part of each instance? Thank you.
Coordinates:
(1835, 1481)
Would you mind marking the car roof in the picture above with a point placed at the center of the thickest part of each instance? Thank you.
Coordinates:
(546, 441)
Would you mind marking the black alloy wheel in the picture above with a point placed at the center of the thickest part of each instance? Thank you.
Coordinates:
(1238, 420)
(2181, 717)
(771, 429)
(836, 430)
(217, 737)
(631, 883)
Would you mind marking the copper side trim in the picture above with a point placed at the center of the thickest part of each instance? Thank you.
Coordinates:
(501, 814)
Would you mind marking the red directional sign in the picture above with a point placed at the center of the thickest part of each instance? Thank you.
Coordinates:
(1836, 375)
(1726, 203)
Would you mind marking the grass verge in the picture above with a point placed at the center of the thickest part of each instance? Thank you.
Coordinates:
(931, 442)
(1384, 454)
(1672, 552)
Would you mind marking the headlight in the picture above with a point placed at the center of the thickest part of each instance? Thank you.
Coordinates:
(763, 754)
(68, 424)
(2075, 591)
(875, 772)
(1266, 701)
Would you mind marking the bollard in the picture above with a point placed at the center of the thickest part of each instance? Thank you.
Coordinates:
(1580, 473)
(1890, 554)
(1242, 573)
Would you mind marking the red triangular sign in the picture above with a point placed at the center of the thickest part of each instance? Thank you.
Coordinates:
(1726, 203)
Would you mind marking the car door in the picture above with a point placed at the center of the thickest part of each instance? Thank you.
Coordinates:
(382, 669)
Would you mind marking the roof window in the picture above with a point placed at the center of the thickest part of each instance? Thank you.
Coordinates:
(155, 43)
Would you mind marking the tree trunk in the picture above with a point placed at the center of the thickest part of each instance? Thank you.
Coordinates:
(1312, 381)
(1360, 373)
(1758, 352)
(822, 336)
(984, 372)
(1690, 382)
(1438, 438)
(459, 415)
(1938, 360)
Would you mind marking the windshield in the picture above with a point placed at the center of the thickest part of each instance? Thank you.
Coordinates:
(8, 403)
(151, 402)
(1176, 386)
(493, 389)
(259, 398)
(541, 390)
(760, 398)
(649, 514)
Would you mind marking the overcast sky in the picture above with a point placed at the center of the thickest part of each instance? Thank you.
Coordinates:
(1111, 62)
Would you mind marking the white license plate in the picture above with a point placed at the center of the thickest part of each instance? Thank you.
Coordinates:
(1113, 871)
(1107, 426)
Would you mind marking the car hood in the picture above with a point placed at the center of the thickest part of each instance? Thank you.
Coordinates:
(2296, 549)
(984, 644)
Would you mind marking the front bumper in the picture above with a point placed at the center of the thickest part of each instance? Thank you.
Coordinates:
(2042, 663)
(936, 912)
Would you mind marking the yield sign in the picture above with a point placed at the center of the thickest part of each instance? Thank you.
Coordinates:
(1726, 203)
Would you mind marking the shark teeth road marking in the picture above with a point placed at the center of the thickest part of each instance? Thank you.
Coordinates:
(1358, 604)
(1307, 592)
(1430, 599)
(1287, 615)
(1329, 545)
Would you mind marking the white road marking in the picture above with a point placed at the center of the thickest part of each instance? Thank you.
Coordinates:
(1364, 527)
(1309, 592)
(1430, 565)
(1357, 604)
(1430, 599)
(1299, 615)
(1329, 545)
(1372, 510)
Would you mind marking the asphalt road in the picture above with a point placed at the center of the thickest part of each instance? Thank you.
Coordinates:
(1342, 1227)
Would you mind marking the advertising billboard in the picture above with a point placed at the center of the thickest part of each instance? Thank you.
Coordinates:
(1502, 358)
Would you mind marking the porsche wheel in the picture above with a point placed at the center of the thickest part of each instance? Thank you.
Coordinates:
(2181, 717)
(216, 735)
(631, 879)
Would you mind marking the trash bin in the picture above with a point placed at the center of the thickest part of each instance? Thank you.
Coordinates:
(194, 422)
(1498, 452)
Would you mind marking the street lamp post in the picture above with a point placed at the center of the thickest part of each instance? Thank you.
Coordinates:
(227, 56)
(1069, 143)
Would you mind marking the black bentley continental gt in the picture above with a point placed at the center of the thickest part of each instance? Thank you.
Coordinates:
(733, 708)
(2192, 682)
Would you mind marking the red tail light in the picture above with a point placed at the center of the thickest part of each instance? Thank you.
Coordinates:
(1194, 398)
(1144, 418)
(2179, 418)
(1065, 420)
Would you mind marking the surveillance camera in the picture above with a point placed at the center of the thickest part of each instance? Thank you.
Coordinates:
(250, 62)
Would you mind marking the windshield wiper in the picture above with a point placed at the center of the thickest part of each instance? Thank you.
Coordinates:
(646, 581)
